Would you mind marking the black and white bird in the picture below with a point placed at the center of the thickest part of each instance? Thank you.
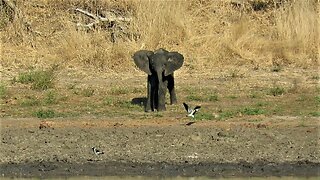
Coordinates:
(191, 112)
(96, 151)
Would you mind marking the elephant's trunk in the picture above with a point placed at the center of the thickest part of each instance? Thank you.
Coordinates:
(161, 92)
(159, 74)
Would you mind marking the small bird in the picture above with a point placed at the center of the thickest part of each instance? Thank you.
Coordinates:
(96, 151)
(191, 112)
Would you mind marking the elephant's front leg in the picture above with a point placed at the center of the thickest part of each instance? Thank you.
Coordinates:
(149, 94)
(173, 97)
(172, 92)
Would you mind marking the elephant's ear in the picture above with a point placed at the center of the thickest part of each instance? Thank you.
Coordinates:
(175, 61)
(141, 59)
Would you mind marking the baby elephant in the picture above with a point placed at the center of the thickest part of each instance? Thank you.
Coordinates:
(159, 65)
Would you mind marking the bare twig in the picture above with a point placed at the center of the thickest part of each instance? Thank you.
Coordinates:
(87, 13)
(111, 16)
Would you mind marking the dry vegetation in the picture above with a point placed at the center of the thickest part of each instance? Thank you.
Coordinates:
(253, 32)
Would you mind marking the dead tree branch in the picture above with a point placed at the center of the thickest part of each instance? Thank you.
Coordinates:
(87, 13)
(111, 17)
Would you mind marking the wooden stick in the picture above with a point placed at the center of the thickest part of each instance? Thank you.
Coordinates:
(110, 18)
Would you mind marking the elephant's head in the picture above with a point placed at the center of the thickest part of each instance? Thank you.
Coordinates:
(160, 61)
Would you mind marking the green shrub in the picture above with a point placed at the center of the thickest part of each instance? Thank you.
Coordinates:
(30, 101)
(39, 80)
(51, 98)
(261, 104)
(315, 77)
(158, 114)
(254, 95)
(226, 114)
(204, 116)
(119, 90)
(3, 90)
(126, 104)
(138, 90)
(276, 69)
(252, 111)
(277, 91)
(315, 114)
(193, 97)
(108, 101)
(213, 98)
(88, 92)
(317, 98)
(44, 114)
(232, 96)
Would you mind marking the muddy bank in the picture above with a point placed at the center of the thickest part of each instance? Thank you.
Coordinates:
(243, 169)
(278, 147)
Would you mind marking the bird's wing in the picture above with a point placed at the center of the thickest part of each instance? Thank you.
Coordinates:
(197, 108)
(195, 111)
(98, 152)
(186, 107)
(94, 150)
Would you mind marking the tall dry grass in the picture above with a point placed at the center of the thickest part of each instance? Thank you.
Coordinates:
(208, 33)
(297, 26)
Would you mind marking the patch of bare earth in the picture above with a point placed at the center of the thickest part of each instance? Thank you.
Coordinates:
(276, 146)
(138, 143)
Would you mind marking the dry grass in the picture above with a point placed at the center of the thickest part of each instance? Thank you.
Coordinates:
(206, 32)
(298, 31)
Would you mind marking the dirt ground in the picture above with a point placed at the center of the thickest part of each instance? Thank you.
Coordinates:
(165, 144)
(160, 147)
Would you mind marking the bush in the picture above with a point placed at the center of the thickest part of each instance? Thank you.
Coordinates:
(277, 91)
(51, 98)
(3, 90)
(44, 114)
(252, 111)
(213, 98)
(39, 80)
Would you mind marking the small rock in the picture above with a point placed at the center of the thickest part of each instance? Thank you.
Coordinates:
(45, 124)
(261, 126)
(196, 137)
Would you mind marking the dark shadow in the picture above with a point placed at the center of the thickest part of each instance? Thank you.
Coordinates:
(141, 101)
